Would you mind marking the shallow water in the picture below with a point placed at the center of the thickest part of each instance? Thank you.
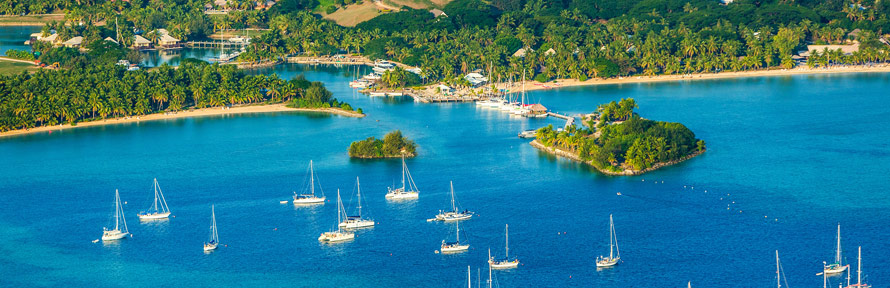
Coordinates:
(795, 154)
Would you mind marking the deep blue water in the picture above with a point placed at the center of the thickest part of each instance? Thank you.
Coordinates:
(788, 159)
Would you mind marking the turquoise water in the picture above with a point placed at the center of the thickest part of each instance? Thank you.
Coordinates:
(12, 37)
(807, 152)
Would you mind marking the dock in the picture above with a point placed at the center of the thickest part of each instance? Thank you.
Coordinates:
(214, 44)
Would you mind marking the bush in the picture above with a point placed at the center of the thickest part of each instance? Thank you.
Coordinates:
(542, 78)
(20, 54)
(331, 9)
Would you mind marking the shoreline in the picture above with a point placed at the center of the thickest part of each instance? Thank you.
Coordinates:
(572, 156)
(560, 83)
(183, 114)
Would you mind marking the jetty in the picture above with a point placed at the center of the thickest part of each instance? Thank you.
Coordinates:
(214, 44)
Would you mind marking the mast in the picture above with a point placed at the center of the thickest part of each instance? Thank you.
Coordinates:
(214, 237)
(859, 269)
(155, 204)
(507, 240)
(458, 234)
(611, 236)
(489, 268)
(117, 209)
(338, 210)
(404, 171)
(778, 279)
(453, 207)
(312, 179)
(469, 282)
(359, 194)
(837, 258)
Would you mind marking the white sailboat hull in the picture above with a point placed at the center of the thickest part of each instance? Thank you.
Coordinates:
(452, 216)
(154, 216)
(114, 235)
(454, 248)
(835, 269)
(607, 262)
(353, 224)
(210, 246)
(307, 200)
(378, 94)
(401, 195)
(332, 237)
(504, 264)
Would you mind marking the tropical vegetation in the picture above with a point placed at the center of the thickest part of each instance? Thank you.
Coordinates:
(392, 145)
(53, 97)
(622, 140)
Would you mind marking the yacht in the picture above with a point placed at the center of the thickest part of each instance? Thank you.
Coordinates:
(614, 254)
(454, 214)
(309, 198)
(120, 223)
(356, 221)
(337, 235)
(158, 209)
(408, 189)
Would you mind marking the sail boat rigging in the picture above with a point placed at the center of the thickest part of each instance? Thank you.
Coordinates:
(780, 273)
(408, 190)
(356, 221)
(213, 242)
(859, 283)
(455, 214)
(309, 198)
(338, 235)
(158, 209)
(614, 253)
(119, 220)
(505, 263)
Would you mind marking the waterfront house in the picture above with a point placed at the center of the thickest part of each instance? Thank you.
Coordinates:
(537, 109)
(166, 41)
(52, 38)
(140, 42)
(74, 42)
(444, 89)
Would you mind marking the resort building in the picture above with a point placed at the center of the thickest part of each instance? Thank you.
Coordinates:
(444, 89)
(51, 38)
(140, 42)
(476, 79)
(846, 49)
(166, 41)
(74, 42)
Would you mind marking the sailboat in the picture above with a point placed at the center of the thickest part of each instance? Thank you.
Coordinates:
(408, 189)
(456, 246)
(159, 209)
(338, 235)
(310, 198)
(454, 214)
(858, 274)
(117, 232)
(214, 237)
(836, 267)
(357, 221)
(505, 263)
(614, 253)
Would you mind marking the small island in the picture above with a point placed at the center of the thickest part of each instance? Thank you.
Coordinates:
(393, 145)
(617, 141)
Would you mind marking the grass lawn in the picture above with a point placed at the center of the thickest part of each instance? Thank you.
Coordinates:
(29, 20)
(9, 67)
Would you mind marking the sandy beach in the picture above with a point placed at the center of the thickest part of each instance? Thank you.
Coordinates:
(183, 114)
(532, 86)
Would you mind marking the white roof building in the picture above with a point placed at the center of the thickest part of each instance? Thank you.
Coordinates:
(74, 42)
(109, 39)
(476, 79)
(141, 42)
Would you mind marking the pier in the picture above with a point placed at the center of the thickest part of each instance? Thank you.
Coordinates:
(214, 44)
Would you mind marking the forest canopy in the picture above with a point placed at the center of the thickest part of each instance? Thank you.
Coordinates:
(392, 145)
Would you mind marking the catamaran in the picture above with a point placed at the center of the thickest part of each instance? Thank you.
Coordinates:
(310, 198)
(159, 209)
(356, 221)
(456, 246)
(338, 235)
(837, 266)
(505, 263)
(858, 274)
(408, 189)
(117, 232)
(614, 253)
(214, 237)
(454, 214)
